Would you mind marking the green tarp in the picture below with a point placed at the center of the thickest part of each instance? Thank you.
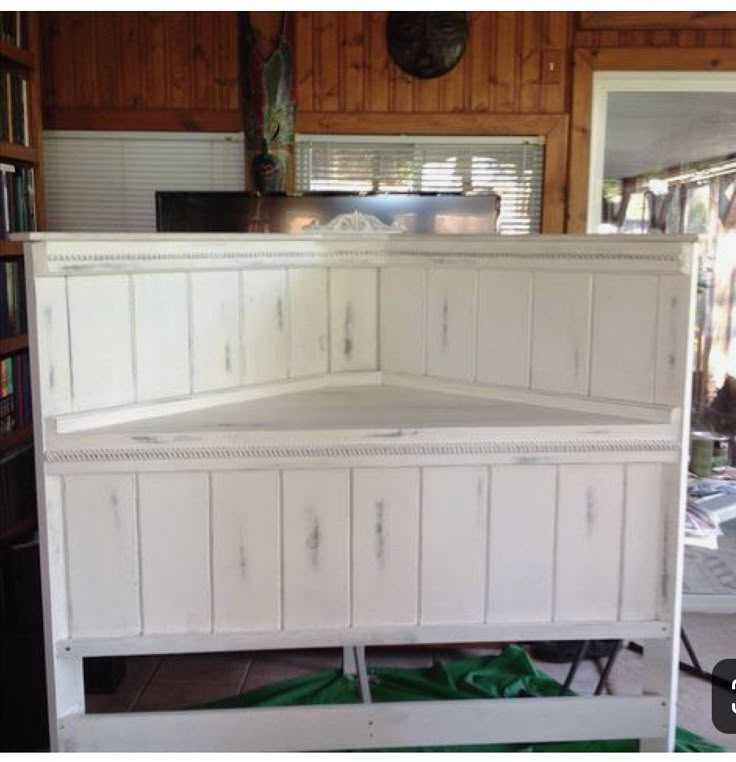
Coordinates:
(510, 674)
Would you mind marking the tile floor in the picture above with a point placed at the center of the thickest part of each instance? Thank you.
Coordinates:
(176, 681)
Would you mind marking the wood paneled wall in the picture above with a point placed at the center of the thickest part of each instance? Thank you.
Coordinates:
(342, 64)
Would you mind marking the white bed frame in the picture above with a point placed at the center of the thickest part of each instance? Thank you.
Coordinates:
(179, 514)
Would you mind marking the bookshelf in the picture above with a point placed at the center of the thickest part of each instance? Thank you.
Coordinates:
(21, 210)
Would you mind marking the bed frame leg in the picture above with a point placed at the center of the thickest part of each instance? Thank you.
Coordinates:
(660, 659)
(354, 663)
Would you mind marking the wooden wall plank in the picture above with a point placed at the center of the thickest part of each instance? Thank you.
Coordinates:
(130, 65)
(561, 332)
(304, 60)
(174, 516)
(153, 55)
(480, 60)
(530, 54)
(353, 319)
(454, 514)
(353, 40)
(316, 548)
(179, 55)
(327, 60)
(102, 369)
(83, 51)
(656, 19)
(216, 346)
(377, 63)
(108, 58)
(264, 329)
(308, 332)
(589, 526)
(451, 320)
(505, 46)
(504, 328)
(426, 94)
(161, 335)
(246, 551)
(102, 553)
(520, 584)
(624, 337)
(204, 45)
(403, 302)
(556, 39)
(385, 546)
(452, 88)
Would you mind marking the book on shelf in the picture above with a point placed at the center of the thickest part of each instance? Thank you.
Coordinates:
(12, 298)
(12, 28)
(14, 108)
(15, 392)
(18, 196)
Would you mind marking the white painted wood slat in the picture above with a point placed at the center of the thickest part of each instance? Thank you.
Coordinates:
(589, 524)
(623, 346)
(264, 325)
(353, 319)
(102, 553)
(561, 332)
(246, 553)
(308, 351)
(53, 352)
(215, 330)
(385, 539)
(451, 316)
(101, 352)
(174, 518)
(453, 544)
(161, 335)
(504, 328)
(521, 543)
(403, 319)
(316, 548)
(672, 323)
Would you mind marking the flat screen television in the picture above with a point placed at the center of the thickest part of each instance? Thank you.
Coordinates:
(240, 212)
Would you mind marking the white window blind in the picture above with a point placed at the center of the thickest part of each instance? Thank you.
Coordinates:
(513, 168)
(106, 181)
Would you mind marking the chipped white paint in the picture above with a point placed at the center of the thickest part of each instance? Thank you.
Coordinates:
(403, 303)
(264, 325)
(353, 319)
(308, 350)
(54, 371)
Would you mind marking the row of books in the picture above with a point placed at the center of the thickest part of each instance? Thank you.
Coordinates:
(12, 28)
(12, 299)
(15, 392)
(14, 108)
(18, 208)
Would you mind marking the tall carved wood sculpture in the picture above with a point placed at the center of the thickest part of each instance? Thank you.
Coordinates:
(266, 100)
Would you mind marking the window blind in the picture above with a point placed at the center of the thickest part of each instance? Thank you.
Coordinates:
(511, 167)
(106, 181)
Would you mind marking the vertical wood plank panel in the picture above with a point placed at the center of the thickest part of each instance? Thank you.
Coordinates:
(480, 60)
(304, 60)
(246, 560)
(327, 70)
(403, 309)
(56, 555)
(504, 328)
(452, 88)
(308, 355)
(454, 515)
(451, 316)
(561, 332)
(204, 44)
(589, 524)
(522, 511)
(672, 320)
(377, 95)
(531, 44)
(401, 90)
(58, 79)
(643, 561)
(354, 41)
(174, 517)
(161, 335)
(102, 364)
(102, 551)
(353, 318)
(556, 25)
(153, 65)
(179, 53)
(426, 95)
(264, 325)
(108, 56)
(131, 77)
(624, 328)
(385, 538)
(505, 61)
(83, 51)
(316, 548)
(215, 330)
(228, 74)
(53, 344)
